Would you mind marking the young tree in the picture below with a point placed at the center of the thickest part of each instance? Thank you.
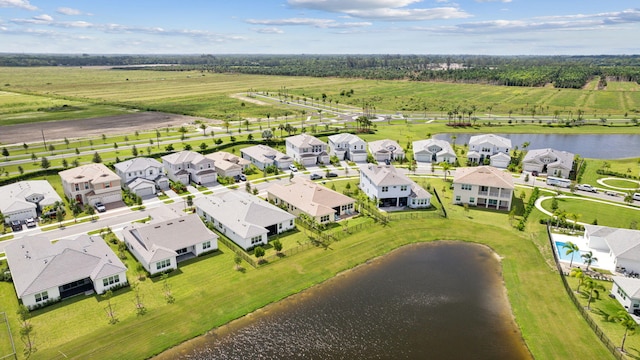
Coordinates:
(259, 253)
(593, 287)
(104, 138)
(76, 209)
(59, 216)
(89, 210)
(571, 249)
(166, 288)
(578, 274)
(237, 260)
(134, 151)
(96, 158)
(137, 299)
(5, 153)
(203, 146)
(44, 163)
(110, 308)
(189, 201)
(27, 335)
(65, 164)
(277, 245)
(34, 157)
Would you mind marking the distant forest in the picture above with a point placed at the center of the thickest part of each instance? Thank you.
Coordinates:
(558, 71)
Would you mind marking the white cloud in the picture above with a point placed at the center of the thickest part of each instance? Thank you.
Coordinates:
(485, 1)
(68, 11)
(269, 30)
(388, 10)
(20, 4)
(318, 23)
(43, 18)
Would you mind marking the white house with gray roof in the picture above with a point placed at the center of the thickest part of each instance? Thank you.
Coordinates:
(389, 188)
(43, 272)
(483, 186)
(348, 147)
(622, 245)
(386, 150)
(262, 156)
(142, 175)
(160, 245)
(549, 161)
(302, 196)
(433, 151)
(189, 166)
(244, 218)
(307, 150)
(486, 146)
(26, 199)
(627, 291)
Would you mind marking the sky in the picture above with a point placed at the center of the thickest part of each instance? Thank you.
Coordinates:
(481, 27)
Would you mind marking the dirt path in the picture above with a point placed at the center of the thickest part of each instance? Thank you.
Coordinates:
(120, 124)
(248, 99)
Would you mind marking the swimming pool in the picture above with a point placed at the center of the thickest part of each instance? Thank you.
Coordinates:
(577, 258)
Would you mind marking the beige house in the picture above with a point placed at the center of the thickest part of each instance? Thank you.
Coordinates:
(227, 164)
(303, 196)
(189, 166)
(483, 186)
(386, 150)
(91, 183)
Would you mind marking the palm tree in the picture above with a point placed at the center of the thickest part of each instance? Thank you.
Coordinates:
(269, 120)
(575, 218)
(589, 259)
(578, 274)
(571, 249)
(226, 124)
(629, 324)
(445, 167)
(203, 126)
(592, 287)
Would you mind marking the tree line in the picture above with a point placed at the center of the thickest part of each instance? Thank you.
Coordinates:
(560, 71)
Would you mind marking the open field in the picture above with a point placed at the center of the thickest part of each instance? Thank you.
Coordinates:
(605, 214)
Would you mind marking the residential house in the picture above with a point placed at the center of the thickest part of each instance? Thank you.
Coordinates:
(622, 245)
(389, 188)
(386, 150)
(348, 147)
(262, 156)
(487, 146)
(549, 161)
(484, 186)
(160, 245)
(244, 218)
(91, 183)
(142, 176)
(303, 196)
(627, 291)
(227, 164)
(307, 150)
(43, 272)
(26, 199)
(434, 151)
(189, 166)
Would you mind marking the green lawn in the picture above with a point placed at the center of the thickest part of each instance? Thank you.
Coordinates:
(606, 214)
(623, 183)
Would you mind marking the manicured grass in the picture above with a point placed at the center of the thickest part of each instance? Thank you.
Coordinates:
(623, 183)
(606, 214)
(624, 166)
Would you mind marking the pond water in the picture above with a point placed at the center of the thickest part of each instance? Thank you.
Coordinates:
(594, 146)
(440, 300)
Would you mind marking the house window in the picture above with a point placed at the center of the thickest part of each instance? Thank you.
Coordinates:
(163, 264)
(107, 185)
(43, 296)
(465, 186)
(77, 187)
(290, 222)
(111, 280)
(472, 200)
(403, 188)
(280, 226)
(256, 239)
(324, 219)
(206, 245)
(181, 251)
(458, 198)
(385, 189)
(493, 202)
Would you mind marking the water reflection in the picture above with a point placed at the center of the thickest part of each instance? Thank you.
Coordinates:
(440, 301)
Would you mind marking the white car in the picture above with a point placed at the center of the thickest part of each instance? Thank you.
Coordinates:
(100, 207)
(586, 187)
(293, 168)
(30, 222)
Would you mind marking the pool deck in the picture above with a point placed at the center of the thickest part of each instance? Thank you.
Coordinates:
(605, 262)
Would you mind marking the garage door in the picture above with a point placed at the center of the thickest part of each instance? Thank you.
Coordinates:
(423, 157)
(111, 198)
(145, 191)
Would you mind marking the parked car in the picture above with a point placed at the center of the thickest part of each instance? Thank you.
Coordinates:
(611, 193)
(30, 222)
(293, 168)
(534, 173)
(387, 162)
(16, 225)
(586, 187)
(636, 196)
(240, 177)
(100, 207)
(315, 176)
(330, 175)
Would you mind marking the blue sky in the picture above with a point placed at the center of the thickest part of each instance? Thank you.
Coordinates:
(487, 27)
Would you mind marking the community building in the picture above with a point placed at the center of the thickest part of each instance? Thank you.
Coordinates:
(44, 272)
(142, 176)
(389, 188)
(303, 196)
(483, 186)
(91, 184)
(244, 218)
(26, 199)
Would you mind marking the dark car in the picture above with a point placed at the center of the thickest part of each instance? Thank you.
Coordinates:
(534, 173)
(315, 176)
(330, 175)
(16, 225)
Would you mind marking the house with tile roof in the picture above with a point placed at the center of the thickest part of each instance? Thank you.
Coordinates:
(549, 161)
(307, 150)
(189, 166)
(484, 186)
(26, 199)
(302, 196)
(227, 164)
(142, 175)
(348, 147)
(622, 245)
(44, 272)
(488, 146)
(390, 188)
(262, 156)
(433, 151)
(161, 244)
(244, 218)
(91, 183)
(386, 150)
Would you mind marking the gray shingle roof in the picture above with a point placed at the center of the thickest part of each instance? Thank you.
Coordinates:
(137, 164)
(384, 175)
(13, 196)
(630, 286)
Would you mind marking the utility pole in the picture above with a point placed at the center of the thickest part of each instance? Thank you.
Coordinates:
(43, 139)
